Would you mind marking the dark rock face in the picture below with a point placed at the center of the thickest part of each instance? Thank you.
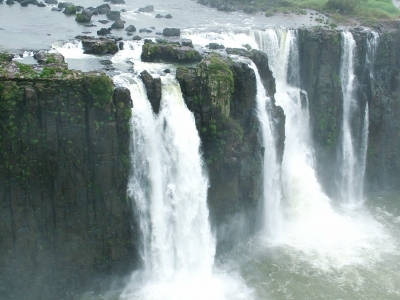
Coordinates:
(171, 32)
(113, 15)
(222, 96)
(320, 59)
(153, 88)
(51, 1)
(119, 24)
(117, 1)
(66, 221)
(152, 52)
(99, 46)
(149, 8)
(10, 2)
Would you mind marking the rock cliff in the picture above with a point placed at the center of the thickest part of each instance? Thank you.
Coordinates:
(65, 220)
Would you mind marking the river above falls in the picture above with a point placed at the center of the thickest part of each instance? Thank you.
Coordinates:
(36, 28)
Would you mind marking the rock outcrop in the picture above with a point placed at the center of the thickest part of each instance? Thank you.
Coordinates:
(64, 165)
(222, 95)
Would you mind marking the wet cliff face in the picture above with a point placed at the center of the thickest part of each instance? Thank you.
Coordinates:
(64, 215)
(320, 60)
(222, 95)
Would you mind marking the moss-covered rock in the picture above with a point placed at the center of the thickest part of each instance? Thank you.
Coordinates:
(169, 52)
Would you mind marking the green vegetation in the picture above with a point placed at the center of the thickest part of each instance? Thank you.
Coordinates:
(101, 89)
(366, 11)
(51, 58)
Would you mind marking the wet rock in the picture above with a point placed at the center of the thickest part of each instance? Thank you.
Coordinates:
(26, 2)
(144, 30)
(104, 31)
(98, 46)
(106, 62)
(167, 52)
(171, 32)
(167, 71)
(41, 4)
(168, 16)
(117, 1)
(215, 46)
(43, 57)
(148, 8)
(119, 24)
(137, 38)
(130, 28)
(113, 15)
(56, 9)
(158, 16)
(153, 89)
(187, 43)
(104, 21)
(90, 25)
(51, 1)
(10, 2)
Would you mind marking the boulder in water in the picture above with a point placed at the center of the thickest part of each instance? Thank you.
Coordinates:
(10, 2)
(148, 8)
(56, 9)
(137, 38)
(104, 21)
(171, 32)
(41, 4)
(70, 10)
(130, 28)
(113, 15)
(84, 17)
(158, 16)
(104, 31)
(117, 1)
(153, 89)
(43, 57)
(119, 24)
(51, 1)
(100, 46)
(187, 43)
(215, 46)
(168, 16)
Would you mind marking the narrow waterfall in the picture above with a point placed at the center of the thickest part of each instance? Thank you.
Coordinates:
(271, 171)
(372, 47)
(352, 166)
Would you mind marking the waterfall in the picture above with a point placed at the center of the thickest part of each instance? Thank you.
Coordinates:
(168, 187)
(271, 171)
(372, 47)
(352, 164)
(302, 193)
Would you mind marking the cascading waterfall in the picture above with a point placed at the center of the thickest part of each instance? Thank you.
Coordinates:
(372, 47)
(169, 189)
(271, 170)
(352, 167)
(301, 190)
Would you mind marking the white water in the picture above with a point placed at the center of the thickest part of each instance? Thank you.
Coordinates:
(352, 167)
(271, 169)
(372, 47)
(316, 232)
(169, 188)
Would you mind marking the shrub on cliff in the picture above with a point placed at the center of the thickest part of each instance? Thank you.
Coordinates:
(100, 89)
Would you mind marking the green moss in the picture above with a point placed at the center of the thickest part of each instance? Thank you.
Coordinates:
(51, 59)
(70, 10)
(100, 89)
(26, 70)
